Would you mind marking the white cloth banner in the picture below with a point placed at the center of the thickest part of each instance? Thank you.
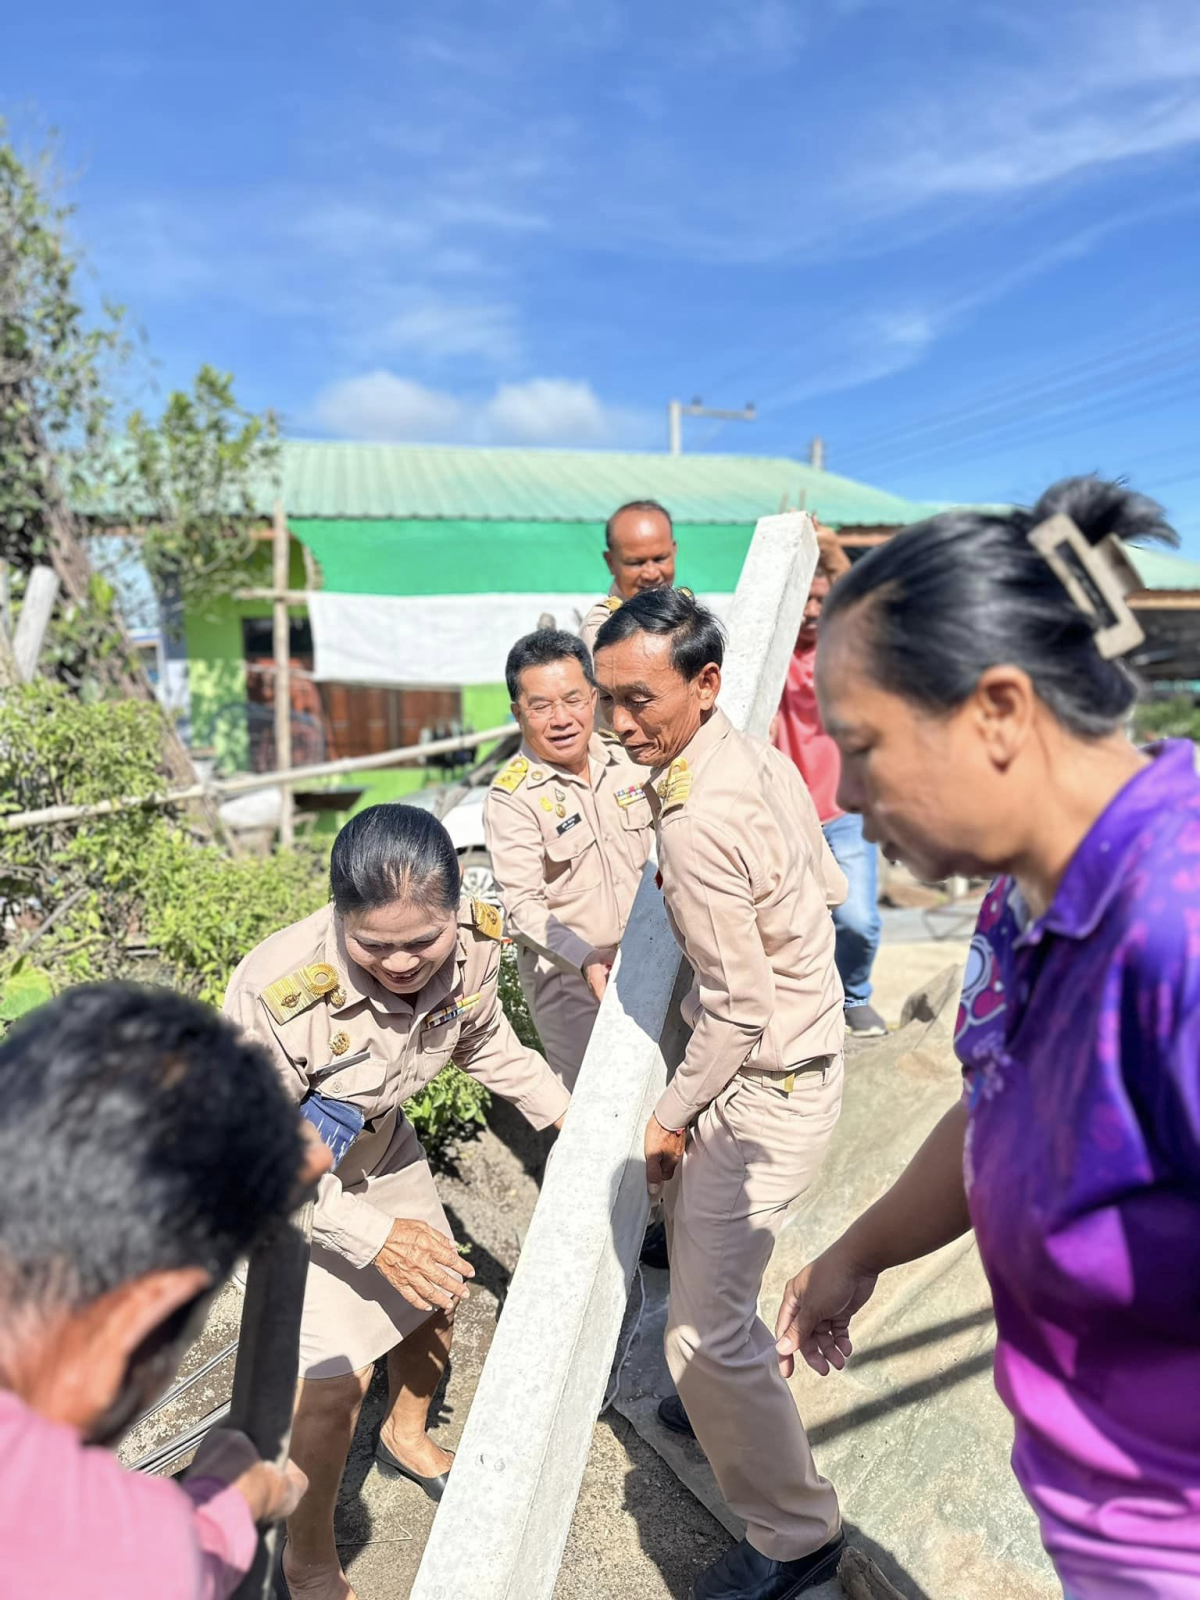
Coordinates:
(435, 639)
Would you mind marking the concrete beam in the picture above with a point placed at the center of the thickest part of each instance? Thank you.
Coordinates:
(502, 1524)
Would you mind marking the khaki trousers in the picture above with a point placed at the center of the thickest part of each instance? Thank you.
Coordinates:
(749, 1155)
(564, 1011)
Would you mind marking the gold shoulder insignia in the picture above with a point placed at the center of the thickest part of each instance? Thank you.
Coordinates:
(487, 920)
(288, 997)
(612, 602)
(690, 594)
(511, 777)
(673, 789)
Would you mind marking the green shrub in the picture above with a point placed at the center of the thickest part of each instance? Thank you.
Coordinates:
(1177, 718)
(204, 911)
(139, 895)
(512, 998)
(448, 1111)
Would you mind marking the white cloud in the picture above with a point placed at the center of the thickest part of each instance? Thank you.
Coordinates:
(1088, 92)
(547, 411)
(380, 405)
(765, 34)
(437, 330)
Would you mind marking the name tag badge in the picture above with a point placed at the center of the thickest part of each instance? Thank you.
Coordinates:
(569, 823)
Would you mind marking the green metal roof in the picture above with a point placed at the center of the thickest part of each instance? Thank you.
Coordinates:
(1160, 570)
(362, 481)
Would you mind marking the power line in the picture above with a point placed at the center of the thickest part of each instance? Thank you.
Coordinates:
(1012, 428)
(1026, 389)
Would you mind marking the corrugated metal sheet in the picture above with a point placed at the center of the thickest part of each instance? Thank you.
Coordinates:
(1159, 570)
(337, 480)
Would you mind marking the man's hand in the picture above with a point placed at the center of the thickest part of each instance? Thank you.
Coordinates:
(664, 1151)
(814, 1316)
(596, 970)
(420, 1263)
(229, 1456)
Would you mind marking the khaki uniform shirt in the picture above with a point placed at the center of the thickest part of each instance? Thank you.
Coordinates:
(598, 615)
(569, 852)
(347, 1037)
(749, 882)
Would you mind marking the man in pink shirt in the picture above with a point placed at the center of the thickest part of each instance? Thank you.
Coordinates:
(797, 730)
(144, 1147)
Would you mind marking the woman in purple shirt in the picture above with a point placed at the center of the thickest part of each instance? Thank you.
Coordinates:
(971, 673)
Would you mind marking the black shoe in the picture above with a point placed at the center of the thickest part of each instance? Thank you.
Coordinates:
(743, 1573)
(392, 1468)
(864, 1022)
(654, 1247)
(672, 1415)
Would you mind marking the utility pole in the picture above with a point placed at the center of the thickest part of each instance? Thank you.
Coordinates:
(676, 411)
(281, 549)
(816, 454)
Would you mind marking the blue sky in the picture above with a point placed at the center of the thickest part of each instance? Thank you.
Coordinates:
(960, 242)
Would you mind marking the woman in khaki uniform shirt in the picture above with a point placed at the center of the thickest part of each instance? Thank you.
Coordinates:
(361, 1005)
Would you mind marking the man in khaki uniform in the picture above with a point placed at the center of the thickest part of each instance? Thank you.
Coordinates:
(361, 1005)
(739, 1132)
(639, 551)
(569, 829)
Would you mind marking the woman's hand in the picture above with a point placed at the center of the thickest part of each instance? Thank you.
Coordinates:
(814, 1316)
(424, 1266)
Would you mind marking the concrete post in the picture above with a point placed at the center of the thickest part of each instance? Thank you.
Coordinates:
(502, 1524)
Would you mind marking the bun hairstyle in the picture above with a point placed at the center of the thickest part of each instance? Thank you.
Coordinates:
(394, 852)
(949, 598)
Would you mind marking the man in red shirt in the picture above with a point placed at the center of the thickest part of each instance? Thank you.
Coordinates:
(144, 1147)
(797, 731)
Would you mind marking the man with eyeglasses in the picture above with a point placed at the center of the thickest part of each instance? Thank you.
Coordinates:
(569, 829)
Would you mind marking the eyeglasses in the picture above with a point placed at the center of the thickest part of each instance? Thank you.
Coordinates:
(571, 704)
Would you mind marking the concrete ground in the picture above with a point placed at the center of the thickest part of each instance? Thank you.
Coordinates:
(918, 945)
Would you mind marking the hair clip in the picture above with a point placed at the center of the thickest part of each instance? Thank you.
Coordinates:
(1097, 577)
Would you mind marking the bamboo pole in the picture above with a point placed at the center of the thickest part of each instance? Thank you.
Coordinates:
(283, 672)
(225, 787)
(264, 1379)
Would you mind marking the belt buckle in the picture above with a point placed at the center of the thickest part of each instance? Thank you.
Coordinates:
(789, 1083)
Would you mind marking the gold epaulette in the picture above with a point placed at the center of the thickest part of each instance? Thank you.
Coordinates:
(487, 920)
(288, 997)
(674, 788)
(680, 588)
(612, 602)
(511, 777)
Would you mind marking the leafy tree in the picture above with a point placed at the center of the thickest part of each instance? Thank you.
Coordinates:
(199, 477)
(184, 484)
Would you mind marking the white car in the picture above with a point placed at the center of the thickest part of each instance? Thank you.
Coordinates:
(458, 805)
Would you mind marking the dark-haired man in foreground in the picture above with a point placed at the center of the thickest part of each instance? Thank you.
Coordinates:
(145, 1147)
(739, 1132)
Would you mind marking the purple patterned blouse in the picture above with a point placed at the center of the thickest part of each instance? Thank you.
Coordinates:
(1079, 1036)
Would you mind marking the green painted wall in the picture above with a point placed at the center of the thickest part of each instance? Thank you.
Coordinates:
(216, 666)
